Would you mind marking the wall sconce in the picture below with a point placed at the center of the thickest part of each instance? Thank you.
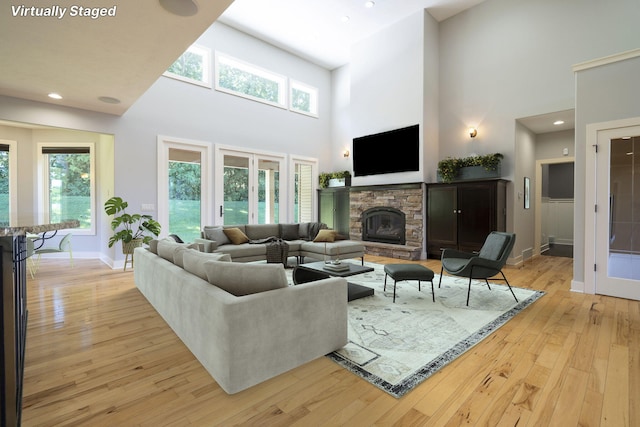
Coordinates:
(346, 153)
(473, 132)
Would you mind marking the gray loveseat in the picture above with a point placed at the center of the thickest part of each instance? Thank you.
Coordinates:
(300, 238)
(243, 322)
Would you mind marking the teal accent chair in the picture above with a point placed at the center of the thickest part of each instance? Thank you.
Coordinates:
(482, 265)
(64, 246)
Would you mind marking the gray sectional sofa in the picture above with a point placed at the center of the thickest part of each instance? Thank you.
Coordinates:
(243, 322)
(302, 239)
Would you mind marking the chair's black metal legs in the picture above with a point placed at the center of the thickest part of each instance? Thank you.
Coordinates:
(505, 279)
(440, 281)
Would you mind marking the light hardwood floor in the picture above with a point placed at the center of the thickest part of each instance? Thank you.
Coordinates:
(99, 355)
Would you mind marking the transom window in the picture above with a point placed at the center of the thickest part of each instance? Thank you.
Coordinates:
(303, 98)
(249, 81)
(193, 66)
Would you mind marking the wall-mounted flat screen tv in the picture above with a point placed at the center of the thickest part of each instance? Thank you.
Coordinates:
(393, 151)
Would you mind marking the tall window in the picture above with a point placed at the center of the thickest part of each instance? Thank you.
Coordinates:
(305, 175)
(249, 81)
(67, 186)
(193, 66)
(303, 99)
(183, 192)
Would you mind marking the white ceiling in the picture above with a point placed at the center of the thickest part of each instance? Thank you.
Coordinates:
(84, 59)
(120, 57)
(314, 30)
(544, 123)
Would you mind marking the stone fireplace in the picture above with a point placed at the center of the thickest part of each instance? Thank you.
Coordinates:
(384, 208)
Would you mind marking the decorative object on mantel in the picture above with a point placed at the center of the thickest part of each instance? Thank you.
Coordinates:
(334, 179)
(132, 229)
(473, 167)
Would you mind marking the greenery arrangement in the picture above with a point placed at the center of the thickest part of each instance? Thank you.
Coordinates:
(324, 177)
(132, 226)
(448, 168)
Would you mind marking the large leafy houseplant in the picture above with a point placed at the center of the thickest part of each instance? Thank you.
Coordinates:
(128, 227)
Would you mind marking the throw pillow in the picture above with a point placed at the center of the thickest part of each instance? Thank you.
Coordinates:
(193, 261)
(314, 228)
(236, 235)
(216, 233)
(325, 236)
(244, 279)
(289, 231)
(303, 230)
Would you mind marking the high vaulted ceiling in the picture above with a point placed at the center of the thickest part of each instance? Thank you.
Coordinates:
(92, 63)
(315, 29)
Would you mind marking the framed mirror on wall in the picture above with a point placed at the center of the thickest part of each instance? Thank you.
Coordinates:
(527, 186)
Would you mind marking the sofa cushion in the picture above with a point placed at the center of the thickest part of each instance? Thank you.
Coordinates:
(236, 235)
(245, 279)
(217, 234)
(290, 231)
(167, 248)
(178, 254)
(173, 251)
(193, 261)
(153, 246)
(243, 250)
(261, 231)
(325, 236)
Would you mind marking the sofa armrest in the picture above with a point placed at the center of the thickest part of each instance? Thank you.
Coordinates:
(208, 245)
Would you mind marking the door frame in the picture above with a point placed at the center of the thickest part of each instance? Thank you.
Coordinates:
(593, 131)
(537, 240)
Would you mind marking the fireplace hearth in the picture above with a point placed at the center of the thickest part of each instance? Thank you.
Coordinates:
(384, 224)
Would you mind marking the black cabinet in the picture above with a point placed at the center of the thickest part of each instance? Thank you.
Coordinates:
(460, 215)
(333, 208)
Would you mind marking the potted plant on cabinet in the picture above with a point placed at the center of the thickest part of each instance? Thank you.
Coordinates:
(131, 229)
(486, 166)
(335, 179)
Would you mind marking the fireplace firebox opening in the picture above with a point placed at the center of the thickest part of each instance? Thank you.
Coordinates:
(384, 225)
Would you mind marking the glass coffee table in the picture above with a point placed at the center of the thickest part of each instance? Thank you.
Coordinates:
(304, 273)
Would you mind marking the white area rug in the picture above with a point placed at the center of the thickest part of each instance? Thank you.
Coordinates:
(397, 346)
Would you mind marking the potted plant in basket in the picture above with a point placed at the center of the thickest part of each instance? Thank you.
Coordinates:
(132, 229)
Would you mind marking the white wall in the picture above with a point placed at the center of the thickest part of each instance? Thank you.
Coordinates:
(387, 87)
(506, 59)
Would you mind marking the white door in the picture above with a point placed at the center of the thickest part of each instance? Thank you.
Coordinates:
(617, 242)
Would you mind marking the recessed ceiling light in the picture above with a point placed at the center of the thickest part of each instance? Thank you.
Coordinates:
(558, 122)
(369, 4)
(109, 100)
(345, 18)
(54, 95)
(180, 7)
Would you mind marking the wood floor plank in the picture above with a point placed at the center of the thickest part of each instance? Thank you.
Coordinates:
(98, 354)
